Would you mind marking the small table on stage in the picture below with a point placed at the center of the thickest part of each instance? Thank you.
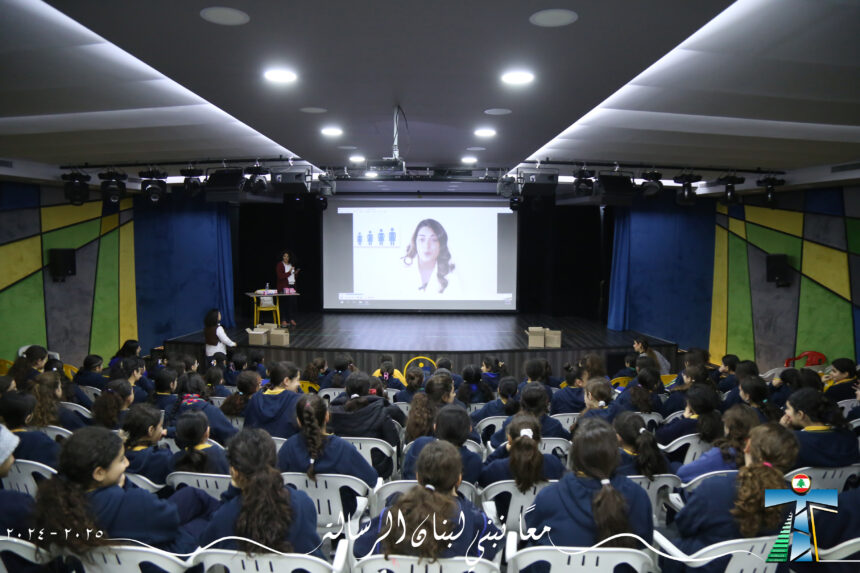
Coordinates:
(275, 308)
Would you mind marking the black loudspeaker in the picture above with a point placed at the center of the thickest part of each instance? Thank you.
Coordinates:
(61, 263)
(778, 270)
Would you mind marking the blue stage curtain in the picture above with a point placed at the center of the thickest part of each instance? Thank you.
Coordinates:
(619, 280)
(224, 258)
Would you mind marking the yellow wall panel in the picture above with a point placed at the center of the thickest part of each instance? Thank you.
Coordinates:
(724, 209)
(19, 259)
(828, 267)
(790, 222)
(127, 288)
(719, 304)
(126, 203)
(110, 222)
(738, 227)
(64, 215)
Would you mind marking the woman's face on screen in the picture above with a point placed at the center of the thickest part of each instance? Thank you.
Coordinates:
(427, 244)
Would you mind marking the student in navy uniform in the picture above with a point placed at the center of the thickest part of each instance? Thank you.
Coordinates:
(365, 416)
(445, 363)
(438, 392)
(91, 493)
(91, 373)
(214, 378)
(677, 399)
(521, 460)
(195, 397)
(131, 369)
(726, 377)
(754, 393)
(111, 407)
(129, 349)
(571, 398)
(17, 506)
(790, 381)
(745, 369)
(594, 501)
(247, 384)
(644, 396)
(552, 381)
(728, 451)
(534, 402)
(432, 503)
(235, 366)
(639, 453)
(143, 429)
(47, 389)
(164, 397)
(598, 400)
(732, 507)
(505, 405)
(258, 506)
(839, 383)
(27, 366)
(641, 346)
(197, 454)
(629, 370)
(337, 377)
(16, 410)
(377, 388)
(473, 389)
(314, 451)
(255, 362)
(535, 375)
(817, 421)
(492, 371)
(69, 391)
(452, 425)
(701, 415)
(414, 381)
(831, 529)
(274, 409)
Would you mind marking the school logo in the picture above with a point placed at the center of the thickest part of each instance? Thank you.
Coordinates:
(796, 540)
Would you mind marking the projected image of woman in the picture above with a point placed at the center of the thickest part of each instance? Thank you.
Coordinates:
(428, 252)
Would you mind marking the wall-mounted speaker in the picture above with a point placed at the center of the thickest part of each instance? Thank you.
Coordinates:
(778, 270)
(61, 264)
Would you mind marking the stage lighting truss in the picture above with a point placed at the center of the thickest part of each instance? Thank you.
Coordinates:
(770, 183)
(686, 195)
(583, 182)
(508, 188)
(193, 180)
(77, 189)
(652, 184)
(153, 184)
(730, 181)
(113, 185)
(256, 179)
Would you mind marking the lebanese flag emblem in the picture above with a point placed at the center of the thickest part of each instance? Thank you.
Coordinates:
(801, 483)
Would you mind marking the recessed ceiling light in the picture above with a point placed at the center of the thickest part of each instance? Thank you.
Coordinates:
(356, 158)
(347, 147)
(553, 18)
(280, 76)
(518, 77)
(497, 111)
(313, 110)
(476, 149)
(469, 160)
(224, 16)
(485, 132)
(331, 131)
(370, 174)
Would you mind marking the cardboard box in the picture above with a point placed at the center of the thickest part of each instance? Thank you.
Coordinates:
(279, 337)
(536, 329)
(267, 326)
(552, 338)
(257, 336)
(536, 337)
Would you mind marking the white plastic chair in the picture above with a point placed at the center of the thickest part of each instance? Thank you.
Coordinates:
(213, 484)
(475, 407)
(576, 558)
(469, 491)
(848, 405)
(52, 432)
(519, 501)
(215, 444)
(673, 416)
(771, 374)
(404, 406)
(553, 445)
(22, 474)
(385, 490)
(23, 549)
(170, 444)
(390, 393)
(475, 447)
(330, 393)
(231, 389)
(841, 551)
(77, 409)
(398, 563)
(566, 420)
(279, 443)
(658, 491)
(126, 558)
(366, 446)
(143, 482)
(91, 392)
(827, 478)
(696, 447)
(325, 493)
(652, 420)
(494, 422)
(676, 499)
(237, 422)
(264, 560)
(217, 400)
(752, 553)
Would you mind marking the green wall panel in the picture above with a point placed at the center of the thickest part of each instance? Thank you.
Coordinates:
(22, 307)
(740, 339)
(104, 337)
(73, 237)
(852, 230)
(824, 322)
(776, 243)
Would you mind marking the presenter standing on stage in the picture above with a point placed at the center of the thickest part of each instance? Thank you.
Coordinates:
(286, 272)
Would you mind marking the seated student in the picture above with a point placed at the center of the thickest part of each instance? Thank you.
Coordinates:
(677, 399)
(745, 368)
(69, 391)
(47, 390)
(550, 379)
(258, 506)
(505, 405)
(593, 501)
(521, 460)
(629, 370)
(727, 373)
(433, 501)
(385, 373)
(854, 413)
(641, 346)
(214, 378)
(644, 396)
(593, 365)
(164, 398)
(701, 415)
(236, 364)
(598, 396)
(535, 375)
(473, 389)
(753, 392)
(17, 506)
(91, 493)
(833, 529)
(789, 381)
(111, 406)
(365, 416)
(493, 370)
(143, 428)
(377, 388)
(639, 452)
(825, 441)
(130, 348)
(571, 398)
(322, 367)
(274, 408)
(452, 425)
(247, 383)
(438, 392)
(343, 368)
(443, 363)
(131, 369)
(533, 401)
(27, 366)
(197, 454)
(195, 397)
(727, 453)
(7, 384)
(255, 362)
(16, 410)
(414, 381)
(732, 507)
(839, 383)
(314, 451)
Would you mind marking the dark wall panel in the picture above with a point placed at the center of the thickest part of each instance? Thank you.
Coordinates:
(774, 311)
(18, 224)
(69, 307)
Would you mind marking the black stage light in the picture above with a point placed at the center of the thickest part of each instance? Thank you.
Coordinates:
(77, 190)
(652, 185)
(321, 202)
(113, 185)
(730, 181)
(255, 181)
(192, 182)
(153, 184)
(770, 183)
(583, 183)
(686, 195)
(507, 187)
(516, 203)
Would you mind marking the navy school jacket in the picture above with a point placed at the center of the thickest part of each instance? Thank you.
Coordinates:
(371, 421)
(152, 462)
(472, 462)
(549, 428)
(826, 447)
(17, 512)
(476, 526)
(546, 388)
(220, 428)
(625, 372)
(624, 402)
(71, 420)
(678, 427)
(302, 535)
(710, 461)
(568, 400)
(216, 459)
(627, 463)
(778, 394)
(166, 401)
(81, 398)
(36, 447)
(405, 395)
(842, 390)
(732, 398)
(493, 408)
(607, 414)
(327, 380)
(727, 383)
(676, 402)
(90, 378)
(492, 380)
(834, 528)
(273, 411)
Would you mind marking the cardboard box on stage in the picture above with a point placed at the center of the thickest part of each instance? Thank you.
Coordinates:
(279, 337)
(536, 336)
(552, 338)
(257, 336)
(267, 326)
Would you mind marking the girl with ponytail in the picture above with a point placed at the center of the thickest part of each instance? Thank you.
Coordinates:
(825, 440)
(676, 402)
(728, 451)
(474, 390)
(343, 368)
(258, 506)
(598, 400)
(429, 510)
(47, 389)
(247, 383)
(571, 398)
(493, 370)
(732, 506)
(640, 454)
(142, 429)
(533, 401)
(414, 381)
(438, 392)
(754, 391)
(701, 416)
(453, 425)
(215, 381)
(111, 406)
(643, 395)
(197, 454)
(195, 396)
(593, 502)
(27, 366)
(505, 405)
